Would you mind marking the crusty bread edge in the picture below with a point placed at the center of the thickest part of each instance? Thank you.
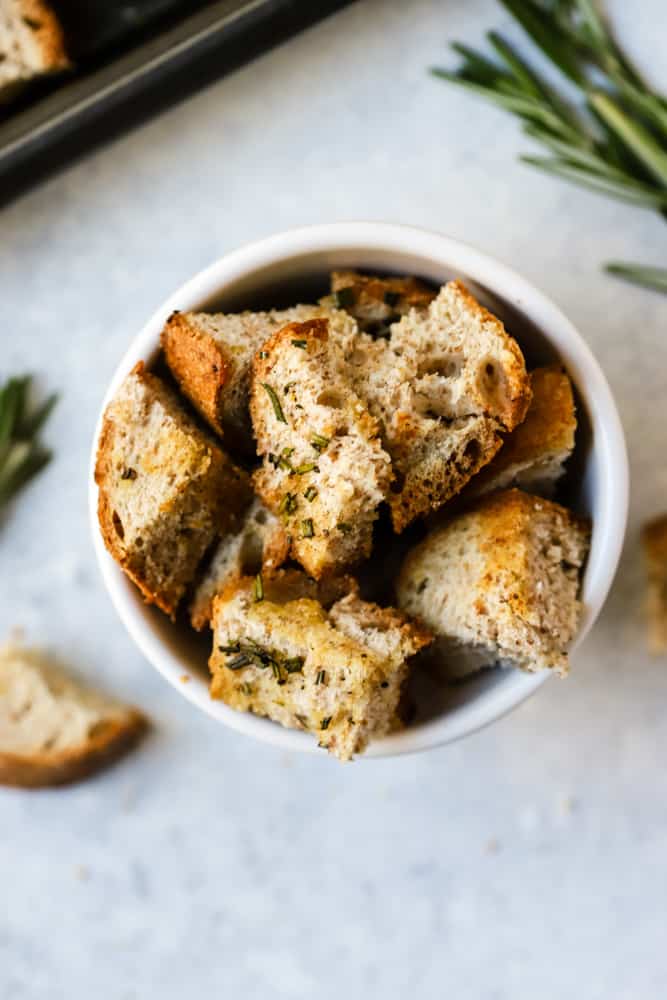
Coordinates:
(45, 770)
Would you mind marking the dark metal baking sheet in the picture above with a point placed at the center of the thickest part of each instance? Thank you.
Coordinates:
(131, 61)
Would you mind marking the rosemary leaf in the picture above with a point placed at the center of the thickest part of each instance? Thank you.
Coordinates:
(654, 278)
(275, 402)
(21, 455)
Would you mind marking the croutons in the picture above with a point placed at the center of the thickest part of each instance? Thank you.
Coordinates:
(210, 356)
(338, 675)
(375, 302)
(502, 578)
(444, 386)
(165, 489)
(533, 456)
(53, 729)
(324, 469)
(654, 540)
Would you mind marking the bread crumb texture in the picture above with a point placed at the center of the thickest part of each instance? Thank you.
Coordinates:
(338, 673)
(53, 729)
(165, 489)
(502, 578)
(654, 541)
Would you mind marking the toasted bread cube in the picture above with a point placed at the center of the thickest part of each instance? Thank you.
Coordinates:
(259, 546)
(444, 386)
(502, 578)
(533, 456)
(54, 729)
(210, 356)
(325, 471)
(31, 45)
(338, 675)
(165, 489)
(654, 539)
(375, 302)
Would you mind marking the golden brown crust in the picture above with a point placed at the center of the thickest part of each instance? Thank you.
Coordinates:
(198, 363)
(113, 740)
(516, 383)
(46, 29)
(654, 542)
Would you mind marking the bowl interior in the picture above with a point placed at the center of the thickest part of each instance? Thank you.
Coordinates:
(443, 712)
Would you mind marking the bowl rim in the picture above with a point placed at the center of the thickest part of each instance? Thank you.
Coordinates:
(449, 254)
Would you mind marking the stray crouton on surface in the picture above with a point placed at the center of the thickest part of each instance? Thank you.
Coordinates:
(324, 469)
(165, 488)
(53, 729)
(654, 540)
(501, 579)
(338, 675)
(445, 386)
(533, 456)
(210, 356)
(32, 45)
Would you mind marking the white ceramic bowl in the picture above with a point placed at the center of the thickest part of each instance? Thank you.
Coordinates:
(292, 266)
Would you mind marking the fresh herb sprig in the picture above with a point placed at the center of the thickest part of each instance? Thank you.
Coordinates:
(614, 143)
(21, 454)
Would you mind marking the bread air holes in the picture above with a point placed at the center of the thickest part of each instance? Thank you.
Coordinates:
(491, 379)
(472, 452)
(446, 366)
(118, 525)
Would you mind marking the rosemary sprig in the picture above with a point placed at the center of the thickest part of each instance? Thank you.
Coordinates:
(21, 455)
(613, 142)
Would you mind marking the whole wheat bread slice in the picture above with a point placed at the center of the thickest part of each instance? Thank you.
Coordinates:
(54, 730)
(166, 490)
(445, 387)
(502, 579)
(338, 675)
(31, 45)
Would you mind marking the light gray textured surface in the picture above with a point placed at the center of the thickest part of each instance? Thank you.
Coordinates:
(529, 861)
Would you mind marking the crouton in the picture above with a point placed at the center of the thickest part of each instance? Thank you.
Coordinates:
(502, 578)
(533, 456)
(165, 489)
(53, 729)
(324, 469)
(445, 386)
(31, 45)
(375, 302)
(654, 539)
(338, 675)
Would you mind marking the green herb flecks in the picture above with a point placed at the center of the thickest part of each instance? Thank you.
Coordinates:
(344, 298)
(307, 530)
(294, 665)
(310, 493)
(21, 454)
(305, 467)
(275, 403)
(302, 344)
(344, 527)
(319, 442)
(263, 354)
(288, 504)
(258, 588)
(326, 722)
(249, 653)
(242, 660)
(321, 677)
(613, 142)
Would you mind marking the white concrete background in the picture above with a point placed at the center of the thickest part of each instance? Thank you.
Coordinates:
(528, 861)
